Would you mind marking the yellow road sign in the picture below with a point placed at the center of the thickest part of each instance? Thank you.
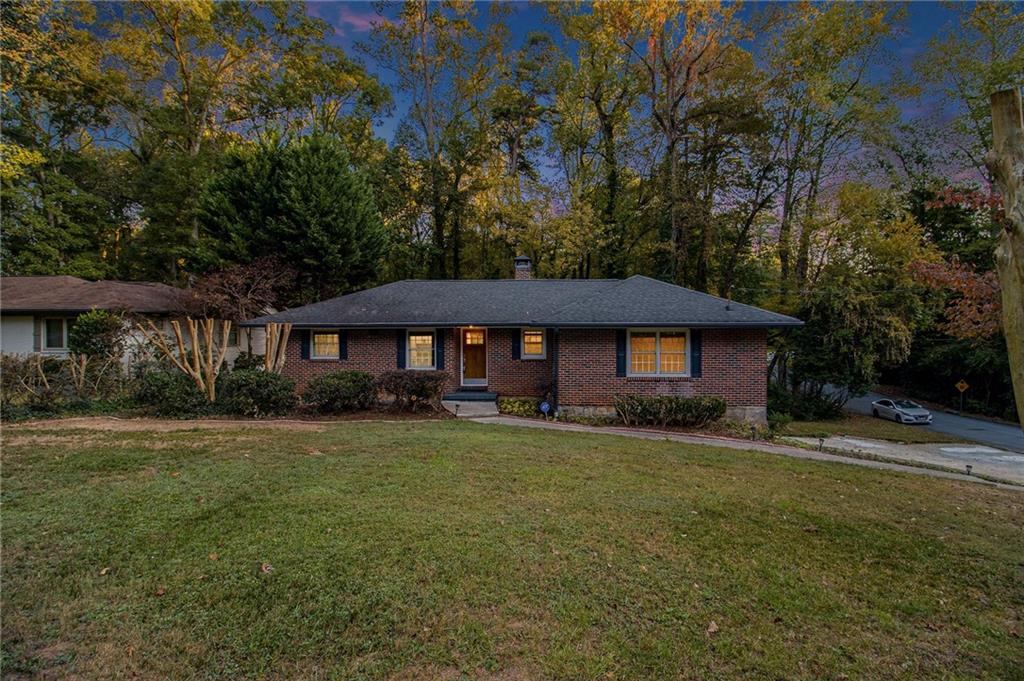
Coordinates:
(962, 385)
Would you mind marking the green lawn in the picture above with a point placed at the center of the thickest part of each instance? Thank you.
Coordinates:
(857, 425)
(423, 550)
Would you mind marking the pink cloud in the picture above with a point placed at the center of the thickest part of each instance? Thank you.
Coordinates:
(358, 20)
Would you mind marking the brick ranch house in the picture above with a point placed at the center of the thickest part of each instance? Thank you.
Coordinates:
(576, 342)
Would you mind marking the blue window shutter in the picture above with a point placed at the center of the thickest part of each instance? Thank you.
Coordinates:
(517, 344)
(439, 349)
(343, 345)
(695, 352)
(620, 352)
(400, 348)
(304, 340)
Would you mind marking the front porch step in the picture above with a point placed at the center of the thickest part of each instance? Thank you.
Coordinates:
(471, 396)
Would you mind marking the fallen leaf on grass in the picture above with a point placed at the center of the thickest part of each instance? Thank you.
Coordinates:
(810, 528)
(214, 555)
(712, 628)
(175, 474)
(160, 591)
(266, 568)
(104, 571)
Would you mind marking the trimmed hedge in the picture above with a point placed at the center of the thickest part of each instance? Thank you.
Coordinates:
(519, 406)
(341, 391)
(413, 389)
(667, 410)
(256, 393)
(168, 392)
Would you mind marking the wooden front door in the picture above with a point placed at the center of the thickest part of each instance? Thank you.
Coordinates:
(474, 357)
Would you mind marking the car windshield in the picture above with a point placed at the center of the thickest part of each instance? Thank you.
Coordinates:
(907, 404)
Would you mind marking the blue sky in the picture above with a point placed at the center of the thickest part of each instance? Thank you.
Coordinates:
(353, 21)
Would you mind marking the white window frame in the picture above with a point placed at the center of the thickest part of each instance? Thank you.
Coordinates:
(324, 332)
(408, 349)
(657, 373)
(543, 344)
(64, 334)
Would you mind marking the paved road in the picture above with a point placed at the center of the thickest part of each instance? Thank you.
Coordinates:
(988, 432)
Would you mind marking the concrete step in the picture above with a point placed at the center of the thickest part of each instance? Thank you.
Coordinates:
(471, 396)
(470, 408)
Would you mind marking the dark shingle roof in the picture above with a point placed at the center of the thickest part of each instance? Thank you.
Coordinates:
(73, 295)
(637, 301)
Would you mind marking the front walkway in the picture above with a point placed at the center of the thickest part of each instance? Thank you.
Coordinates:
(730, 443)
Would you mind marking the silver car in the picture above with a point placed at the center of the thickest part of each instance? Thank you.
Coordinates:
(900, 411)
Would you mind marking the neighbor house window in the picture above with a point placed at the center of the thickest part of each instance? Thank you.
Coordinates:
(533, 344)
(56, 334)
(325, 345)
(658, 353)
(421, 350)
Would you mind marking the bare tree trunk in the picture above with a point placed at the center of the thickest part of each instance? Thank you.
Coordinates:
(1006, 162)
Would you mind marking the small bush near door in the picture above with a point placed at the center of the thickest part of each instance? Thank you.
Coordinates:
(519, 406)
(666, 410)
(341, 391)
(414, 389)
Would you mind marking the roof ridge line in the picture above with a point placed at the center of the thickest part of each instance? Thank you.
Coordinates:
(618, 283)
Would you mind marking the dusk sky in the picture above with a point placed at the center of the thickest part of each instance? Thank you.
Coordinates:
(353, 22)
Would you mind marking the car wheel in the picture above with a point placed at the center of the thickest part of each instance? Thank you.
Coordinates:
(874, 412)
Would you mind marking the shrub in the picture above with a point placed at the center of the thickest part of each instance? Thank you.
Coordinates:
(341, 391)
(248, 360)
(98, 333)
(803, 406)
(777, 421)
(413, 389)
(39, 384)
(667, 410)
(519, 406)
(256, 393)
(168, 392)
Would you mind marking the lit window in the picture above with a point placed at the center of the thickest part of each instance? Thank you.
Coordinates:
(55, 339)
(474, 336)
(325, 346)
(421, 350)
(533, 344)
(658, 353)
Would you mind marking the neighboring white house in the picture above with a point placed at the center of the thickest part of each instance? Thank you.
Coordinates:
(37, 312)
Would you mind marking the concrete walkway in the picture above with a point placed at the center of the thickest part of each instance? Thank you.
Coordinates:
(983, 460)
(743, 445)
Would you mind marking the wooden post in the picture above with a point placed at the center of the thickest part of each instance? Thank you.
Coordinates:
(1006, 162)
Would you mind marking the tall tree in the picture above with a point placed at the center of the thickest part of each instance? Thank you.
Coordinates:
(302, 201)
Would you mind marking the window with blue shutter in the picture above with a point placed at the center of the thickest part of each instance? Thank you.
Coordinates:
(695, 352)
(620, 352)
(400, 348)
(304, 341)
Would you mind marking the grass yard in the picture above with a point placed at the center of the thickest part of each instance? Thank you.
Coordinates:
(858, 425)
(423, 550)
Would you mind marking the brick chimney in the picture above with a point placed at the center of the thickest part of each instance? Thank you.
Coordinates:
(523, 267)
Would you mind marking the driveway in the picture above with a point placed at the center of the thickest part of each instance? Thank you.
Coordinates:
(731, 443)
(988, 432)
(983, 460)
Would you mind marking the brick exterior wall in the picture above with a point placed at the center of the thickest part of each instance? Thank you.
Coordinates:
(734, 366)
(514, 377)
(372, 351)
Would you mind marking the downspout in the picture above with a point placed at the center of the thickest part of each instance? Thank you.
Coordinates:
(554, 370)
